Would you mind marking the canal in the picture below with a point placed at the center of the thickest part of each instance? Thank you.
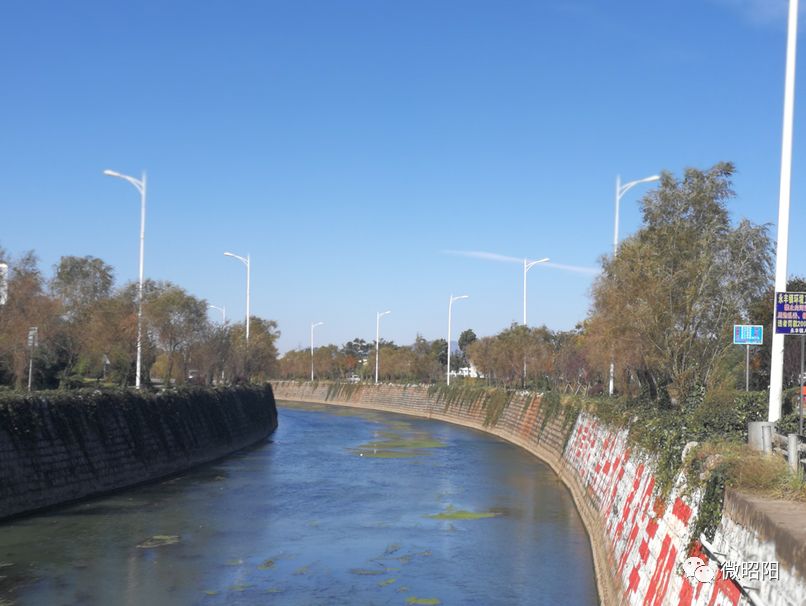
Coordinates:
(343, 506)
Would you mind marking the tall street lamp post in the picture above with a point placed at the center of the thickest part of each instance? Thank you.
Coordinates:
(378, 341)
(140, 185)
(450, 306)
(247, 262)
(527, 265)
(620, 191)
(313, 325)
(782, 246)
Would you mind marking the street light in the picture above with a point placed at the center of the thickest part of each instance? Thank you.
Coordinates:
(450, 305)
(527, 265)
(378, 341)
(140, 184)
(222, 309)
(781, 251)
(620, 191)
(314, 325)
(246, 261)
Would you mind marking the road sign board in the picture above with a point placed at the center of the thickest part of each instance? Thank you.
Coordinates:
(790, 313)
(744, 334)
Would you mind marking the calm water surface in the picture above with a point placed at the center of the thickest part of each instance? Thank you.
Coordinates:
(343, 506)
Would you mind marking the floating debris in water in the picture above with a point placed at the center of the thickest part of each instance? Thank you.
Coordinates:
(239, 588)
(158, 540)
(452, 513)
(235, 562)
(386, 582)
(367, 571)
(211, 592)
(424, 601)
(266, 565)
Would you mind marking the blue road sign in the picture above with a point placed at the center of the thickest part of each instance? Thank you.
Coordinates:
(752, 334)
(790, 313)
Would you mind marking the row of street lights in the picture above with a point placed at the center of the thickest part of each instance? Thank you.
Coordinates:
(140, 185)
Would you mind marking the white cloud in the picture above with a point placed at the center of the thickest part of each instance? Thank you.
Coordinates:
(488, 256)
(759, 11)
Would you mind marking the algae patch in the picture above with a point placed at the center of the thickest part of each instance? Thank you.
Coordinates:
(394, 445)
(386, 582)
(452, 513)
(367, 571)
(424, 601)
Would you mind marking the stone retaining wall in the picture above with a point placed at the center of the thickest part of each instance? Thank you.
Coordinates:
(61, 448)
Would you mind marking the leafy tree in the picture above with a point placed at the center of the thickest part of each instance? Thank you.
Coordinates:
(665, 304)
(176, 321)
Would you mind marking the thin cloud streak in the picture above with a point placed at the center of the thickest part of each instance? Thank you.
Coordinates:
(488, 256)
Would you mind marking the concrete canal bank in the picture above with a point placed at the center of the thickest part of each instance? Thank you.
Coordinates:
(56, 447)
(640, 541)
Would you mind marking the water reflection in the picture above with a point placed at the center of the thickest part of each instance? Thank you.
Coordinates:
(307, 520)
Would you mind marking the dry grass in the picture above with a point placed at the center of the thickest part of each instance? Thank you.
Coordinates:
(747, 470)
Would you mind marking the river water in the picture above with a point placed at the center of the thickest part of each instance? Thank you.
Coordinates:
(342, 506)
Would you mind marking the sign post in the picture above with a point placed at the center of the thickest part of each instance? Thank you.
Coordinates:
(747, 335)
(790, 319)
(33, 333)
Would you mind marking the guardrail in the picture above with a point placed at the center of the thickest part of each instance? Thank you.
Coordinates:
(761, 435)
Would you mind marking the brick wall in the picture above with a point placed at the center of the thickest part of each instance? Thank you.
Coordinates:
(57, 451)
(639, 541)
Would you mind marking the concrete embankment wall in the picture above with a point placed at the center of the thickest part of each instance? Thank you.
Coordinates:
(639, 540)
(56, 448)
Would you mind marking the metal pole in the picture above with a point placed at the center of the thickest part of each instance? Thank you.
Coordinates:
(377, 343)
(777, 354)
(747, 369)
(448, 371)
(248, 280)
(30, 366)
(611, 385)
(313, 325)
(378, 317)
(137, 380)
(525, 269)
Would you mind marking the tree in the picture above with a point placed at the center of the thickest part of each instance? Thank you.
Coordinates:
(80, 284)
(28, 305)
(665, 305)
(177, 320)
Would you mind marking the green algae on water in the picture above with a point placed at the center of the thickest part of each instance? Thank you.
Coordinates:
(266, 565)
(386, 582)
(452, 513)
(367, 571)
(386, 454)
(425, 601)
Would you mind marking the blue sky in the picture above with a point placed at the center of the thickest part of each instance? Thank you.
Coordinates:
(348, 145)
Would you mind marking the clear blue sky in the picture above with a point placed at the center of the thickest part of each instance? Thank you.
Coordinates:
(346, 145)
